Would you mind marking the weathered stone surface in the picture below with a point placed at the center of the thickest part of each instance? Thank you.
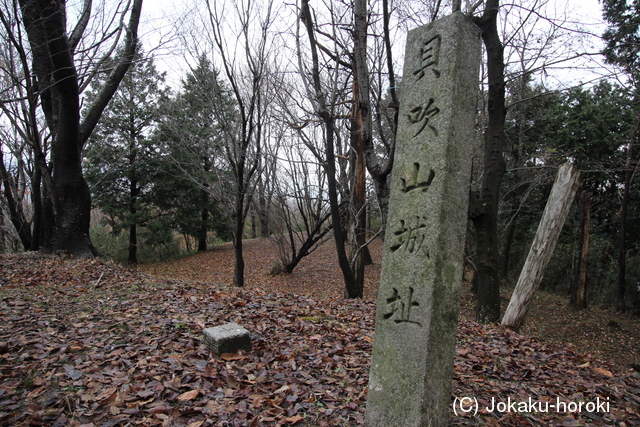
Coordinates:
(227, 338)
(417, 311)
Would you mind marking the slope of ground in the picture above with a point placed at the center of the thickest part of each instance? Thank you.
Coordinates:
(614, 337)
(317, 275)
(90, 343)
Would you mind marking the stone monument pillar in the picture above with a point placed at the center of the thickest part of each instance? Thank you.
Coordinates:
(417, 310)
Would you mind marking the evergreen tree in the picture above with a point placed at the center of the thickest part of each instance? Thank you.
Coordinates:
(195, 172)
(120, 155)
(623, 49)
(591, 127)
(622, 35)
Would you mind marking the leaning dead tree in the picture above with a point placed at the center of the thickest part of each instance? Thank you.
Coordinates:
(560, 201)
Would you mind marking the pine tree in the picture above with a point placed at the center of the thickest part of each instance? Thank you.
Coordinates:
(120, 155)
(195, 172)
(622, 36)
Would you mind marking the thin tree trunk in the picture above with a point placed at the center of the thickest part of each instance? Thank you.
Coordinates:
(555, 213)
(579, 285)
(358, 201)
(204, 220)
(484, 206)
(133, 244)
(36, 198)
(263, 215)
(330, 165)
(134, 191)
(238, 274)
(351, 288)
(15, 210)
(254, 226)
(133, 229)
(204, 213)
(622, 237)
(43, 222)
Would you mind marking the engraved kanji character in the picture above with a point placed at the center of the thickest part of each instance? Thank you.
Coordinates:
(422, 114)
(409, 237)
(410, 180)
(429, 57)
(400, 307)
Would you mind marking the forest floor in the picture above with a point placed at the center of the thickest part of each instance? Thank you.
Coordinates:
(89, 343)
(612, 336)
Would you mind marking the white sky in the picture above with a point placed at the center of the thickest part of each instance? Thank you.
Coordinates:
(159, 17)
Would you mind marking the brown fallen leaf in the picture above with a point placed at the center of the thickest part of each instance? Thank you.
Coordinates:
(603, 372)
(281, 389)
(232, 356)
(188, 395)
(294, 419)
(108, 395)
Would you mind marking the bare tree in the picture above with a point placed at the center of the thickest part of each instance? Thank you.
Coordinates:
(521, 41)
(62, 64)
(246, 73)
(301, 215)
(325, 109)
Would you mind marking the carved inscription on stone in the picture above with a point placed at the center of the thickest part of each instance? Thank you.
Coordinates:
(409, 236)
(429, 57)
(412, 176)
(417, 309)
(399, 307)
(421, 115)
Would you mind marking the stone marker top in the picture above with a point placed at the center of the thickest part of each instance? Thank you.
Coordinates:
(228, 338)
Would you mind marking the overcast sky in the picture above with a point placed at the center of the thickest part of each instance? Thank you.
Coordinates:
(159, 16)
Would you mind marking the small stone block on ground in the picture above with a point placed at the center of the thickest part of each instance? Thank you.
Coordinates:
(227, 338)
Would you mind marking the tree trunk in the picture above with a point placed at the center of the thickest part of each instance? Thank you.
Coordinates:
(36, 199)
(484, 206)
(555, 213)
(351, 287)
(254, 226)
(204, 213)
(622, 239)
(508, 239)
(133, 244)
(134, 192)
(238, 273)
(358, 202)
(358, 220)
(133, 230)
(16, 214)
(204, 220)
(263, 215)
(330, 164)
(57, 83)
(579, 285)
